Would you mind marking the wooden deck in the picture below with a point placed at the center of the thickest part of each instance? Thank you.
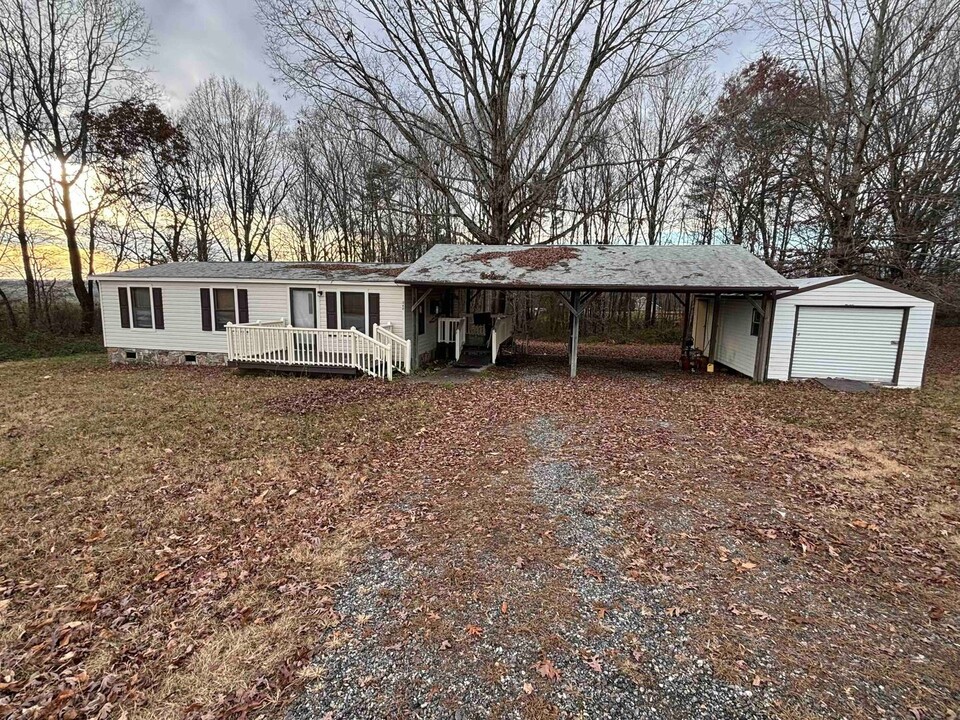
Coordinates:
(340, 370)
(274, 345)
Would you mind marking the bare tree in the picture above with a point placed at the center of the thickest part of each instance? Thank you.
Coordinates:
(73, 57)
(306, 206)
(662, 125)
(20, 116)
(855, 53)
(516, 89)
(241, 133)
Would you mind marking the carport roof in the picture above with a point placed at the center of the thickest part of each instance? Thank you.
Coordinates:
(676, 268)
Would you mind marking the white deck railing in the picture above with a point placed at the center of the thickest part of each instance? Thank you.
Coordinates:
(280, 344)
(400, 349)
(502, 331)
(453, 330)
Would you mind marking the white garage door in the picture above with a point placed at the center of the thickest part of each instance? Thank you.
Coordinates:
(842, 342)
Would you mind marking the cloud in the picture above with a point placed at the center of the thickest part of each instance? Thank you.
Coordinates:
(198, 38)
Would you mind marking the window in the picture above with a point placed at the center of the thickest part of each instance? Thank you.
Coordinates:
(224, 308)
(353, 311)
(755, 322)
(142, 308)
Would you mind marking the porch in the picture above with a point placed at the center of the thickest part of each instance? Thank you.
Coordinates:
(454, 333)
(276, 345)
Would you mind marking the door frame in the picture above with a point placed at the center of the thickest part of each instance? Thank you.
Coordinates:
(316, 304)
(903, 332)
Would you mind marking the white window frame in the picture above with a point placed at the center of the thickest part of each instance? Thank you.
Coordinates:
(153, 317)
(756, 319)
(213, 308)
(366, 308)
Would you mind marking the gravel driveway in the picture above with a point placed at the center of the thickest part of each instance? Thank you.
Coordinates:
(573, 637)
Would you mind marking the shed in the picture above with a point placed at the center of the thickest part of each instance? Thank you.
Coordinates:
(850, 327)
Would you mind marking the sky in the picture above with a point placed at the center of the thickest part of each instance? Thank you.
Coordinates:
(198, 38)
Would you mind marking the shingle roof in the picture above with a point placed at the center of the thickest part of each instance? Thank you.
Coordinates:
(300, 272)
(685, 268)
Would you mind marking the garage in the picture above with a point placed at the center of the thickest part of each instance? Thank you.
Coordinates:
(857, 343)
(850, 327)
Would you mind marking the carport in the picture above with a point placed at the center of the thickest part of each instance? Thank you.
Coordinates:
(578, 273)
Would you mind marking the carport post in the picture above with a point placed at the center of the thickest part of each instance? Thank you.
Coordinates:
(714, 326)
(576, 304)
(763, 339)
(574, 331)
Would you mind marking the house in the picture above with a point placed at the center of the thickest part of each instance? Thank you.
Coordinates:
(379, 318)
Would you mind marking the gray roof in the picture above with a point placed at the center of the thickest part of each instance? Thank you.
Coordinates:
(685, 268)
(277, 271)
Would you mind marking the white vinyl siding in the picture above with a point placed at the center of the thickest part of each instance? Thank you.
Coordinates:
(183, 330)
(854, 294)
(851, 343)
(736, 347)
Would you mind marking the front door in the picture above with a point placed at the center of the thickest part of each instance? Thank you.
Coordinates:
(303, 314)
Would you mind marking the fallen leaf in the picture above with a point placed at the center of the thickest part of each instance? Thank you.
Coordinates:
(528, 688)
(546, 668)
(474, 630)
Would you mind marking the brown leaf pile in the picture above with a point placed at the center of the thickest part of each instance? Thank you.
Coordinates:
(174, 541)
(534, 258)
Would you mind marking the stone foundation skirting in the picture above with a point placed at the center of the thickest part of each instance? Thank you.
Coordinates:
(129, 356)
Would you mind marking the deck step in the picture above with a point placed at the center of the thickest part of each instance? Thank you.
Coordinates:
(474, 358)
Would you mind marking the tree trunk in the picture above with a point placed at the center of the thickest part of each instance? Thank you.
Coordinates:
(24, 240)
(84, 297)
(13, 317)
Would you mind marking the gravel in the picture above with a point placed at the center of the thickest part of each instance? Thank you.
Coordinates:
(620, 651)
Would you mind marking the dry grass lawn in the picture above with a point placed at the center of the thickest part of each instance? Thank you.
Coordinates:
(174, 540)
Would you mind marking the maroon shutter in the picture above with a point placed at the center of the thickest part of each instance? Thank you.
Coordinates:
(206, 319)
(124, 307)
(158, 309)
(243, 309)
(373, 311)
(332, 323)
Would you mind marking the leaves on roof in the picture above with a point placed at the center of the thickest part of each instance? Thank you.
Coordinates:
(535, 258)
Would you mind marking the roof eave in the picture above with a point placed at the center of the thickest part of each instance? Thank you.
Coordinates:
(214, 281)
(604, 288)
